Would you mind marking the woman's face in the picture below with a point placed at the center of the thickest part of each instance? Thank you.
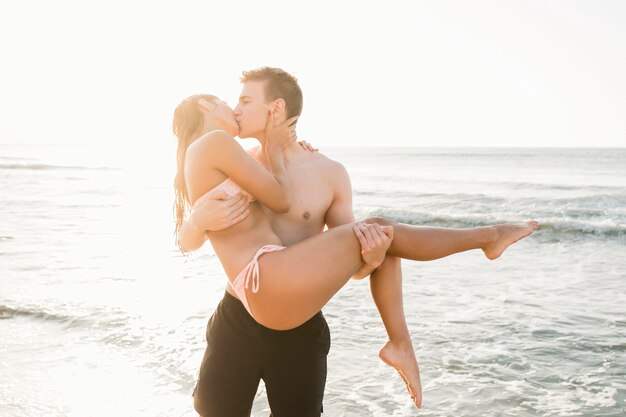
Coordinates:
(225, 117)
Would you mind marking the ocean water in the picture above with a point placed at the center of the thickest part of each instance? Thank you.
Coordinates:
(100, 314)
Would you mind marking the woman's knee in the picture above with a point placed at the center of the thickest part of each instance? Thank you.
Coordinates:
(381, 221)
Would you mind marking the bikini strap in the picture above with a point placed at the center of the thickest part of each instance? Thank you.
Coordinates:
(252, 269)
(252, 274)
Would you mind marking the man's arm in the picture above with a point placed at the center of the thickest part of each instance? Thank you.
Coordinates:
(340, 211)
(190, 236)
(217, 212)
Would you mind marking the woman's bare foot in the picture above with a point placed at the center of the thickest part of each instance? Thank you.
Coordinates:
(402, 357)
(506, 235)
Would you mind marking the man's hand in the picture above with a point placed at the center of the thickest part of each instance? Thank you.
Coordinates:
(375, 240)
(220, 211)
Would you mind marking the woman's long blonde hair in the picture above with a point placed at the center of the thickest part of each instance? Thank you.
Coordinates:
(186, 124)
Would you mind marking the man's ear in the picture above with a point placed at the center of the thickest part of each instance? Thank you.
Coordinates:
(279, 107)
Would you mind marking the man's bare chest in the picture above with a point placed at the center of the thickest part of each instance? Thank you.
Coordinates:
(311, 193)
(311, 197)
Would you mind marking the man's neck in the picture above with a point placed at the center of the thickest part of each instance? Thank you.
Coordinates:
(292, 153)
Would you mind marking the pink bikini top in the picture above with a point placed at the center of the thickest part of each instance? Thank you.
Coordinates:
(230, 187)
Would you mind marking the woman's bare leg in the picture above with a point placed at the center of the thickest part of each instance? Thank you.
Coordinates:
(386, 287)
(295, 283)
(300, 279)
(420, 243)
(426, 243)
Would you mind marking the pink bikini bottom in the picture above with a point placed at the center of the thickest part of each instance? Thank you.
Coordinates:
(251, 273)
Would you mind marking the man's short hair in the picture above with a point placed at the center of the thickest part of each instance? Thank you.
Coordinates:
(280, 84)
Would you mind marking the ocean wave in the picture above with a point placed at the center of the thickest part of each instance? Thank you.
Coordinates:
(382, 195)
(94, 318)
(599, 201)
(15, 158)
(8, 312)
(40, 166)
(552, 186)
(573, 229)
(602, 212)
(500, 153)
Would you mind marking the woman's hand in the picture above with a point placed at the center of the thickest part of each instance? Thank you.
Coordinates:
(281, 135)
(307, 146)
(375, 240)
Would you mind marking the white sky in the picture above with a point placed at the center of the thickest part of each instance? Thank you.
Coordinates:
(393, 73)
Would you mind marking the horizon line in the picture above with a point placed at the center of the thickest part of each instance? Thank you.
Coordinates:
(362, 146)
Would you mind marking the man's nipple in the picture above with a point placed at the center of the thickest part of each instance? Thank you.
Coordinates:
(306, 215)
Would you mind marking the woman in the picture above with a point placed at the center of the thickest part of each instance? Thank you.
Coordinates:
(299, 280)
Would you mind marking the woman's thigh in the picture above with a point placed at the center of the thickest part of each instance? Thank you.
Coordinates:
(297, 282)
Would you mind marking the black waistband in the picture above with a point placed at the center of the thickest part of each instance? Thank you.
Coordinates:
(230, 300)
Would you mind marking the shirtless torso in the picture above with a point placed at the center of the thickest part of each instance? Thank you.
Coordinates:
(317, 183)
(321, 195)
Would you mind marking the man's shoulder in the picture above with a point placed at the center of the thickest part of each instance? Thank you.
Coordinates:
(327, 163)
(331, 170)
(337, 178)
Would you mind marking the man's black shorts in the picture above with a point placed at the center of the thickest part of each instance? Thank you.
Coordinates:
(240, 352)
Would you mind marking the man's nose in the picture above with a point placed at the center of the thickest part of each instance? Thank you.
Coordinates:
(236, 111)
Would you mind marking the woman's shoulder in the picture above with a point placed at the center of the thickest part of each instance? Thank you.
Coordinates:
(214, 140)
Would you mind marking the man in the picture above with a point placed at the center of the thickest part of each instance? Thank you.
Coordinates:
(292, 363)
